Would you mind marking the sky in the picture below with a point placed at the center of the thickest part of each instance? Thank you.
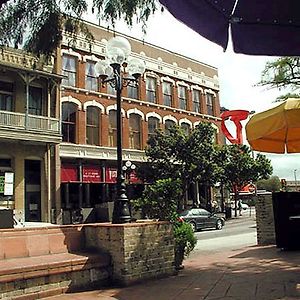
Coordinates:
(238, 73)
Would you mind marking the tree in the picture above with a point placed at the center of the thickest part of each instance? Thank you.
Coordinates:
(272, 184)
(282, 73)
(177, 155)
(237, 167)
(37, 25)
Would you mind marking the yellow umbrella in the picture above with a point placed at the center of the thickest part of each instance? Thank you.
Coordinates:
(276, 130)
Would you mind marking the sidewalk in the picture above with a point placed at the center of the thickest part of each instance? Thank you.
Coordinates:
(252, 273)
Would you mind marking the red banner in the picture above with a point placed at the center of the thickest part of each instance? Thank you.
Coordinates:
(91, 174)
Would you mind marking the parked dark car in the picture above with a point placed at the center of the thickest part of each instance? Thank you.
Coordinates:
(200, 218)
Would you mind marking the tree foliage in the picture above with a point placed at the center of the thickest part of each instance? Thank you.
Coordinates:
(159, 200)
(282, 73)
(237, 167)
(180, 156)
(37, 25)
(272, 184)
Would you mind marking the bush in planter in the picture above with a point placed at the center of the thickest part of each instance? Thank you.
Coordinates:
(185, 241)
(159, 201)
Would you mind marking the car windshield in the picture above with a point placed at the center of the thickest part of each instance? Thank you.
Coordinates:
(184, 213)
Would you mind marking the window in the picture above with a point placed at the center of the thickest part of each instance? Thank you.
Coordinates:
(91, 81)
(182, 95)
(153, 124)
(110, 89)
(167, 88)
(168, 125)
(35, 105)
(132, 90)
(135, 131)
(186, 128)
(69, 122)
(92, 125)
(6, 95)
(196, 101)
(210, 104)
(112, 131)
(151, 89)
(69, 70)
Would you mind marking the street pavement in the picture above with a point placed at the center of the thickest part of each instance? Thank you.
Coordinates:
(249, 273)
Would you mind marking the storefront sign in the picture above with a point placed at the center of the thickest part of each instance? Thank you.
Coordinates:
(111, 175)
(91, 174)
(69, 173)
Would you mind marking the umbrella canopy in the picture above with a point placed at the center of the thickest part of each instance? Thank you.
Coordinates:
(259, 27)
(276, 130)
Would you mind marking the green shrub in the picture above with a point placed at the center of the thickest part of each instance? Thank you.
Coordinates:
(159, 200)
(185, 241)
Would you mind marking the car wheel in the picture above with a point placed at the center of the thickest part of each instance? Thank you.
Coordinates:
(219, 225)
(193, 225)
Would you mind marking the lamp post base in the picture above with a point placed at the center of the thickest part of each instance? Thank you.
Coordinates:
(121, 213)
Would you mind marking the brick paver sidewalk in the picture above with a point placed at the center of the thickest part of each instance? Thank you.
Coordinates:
(253, 273)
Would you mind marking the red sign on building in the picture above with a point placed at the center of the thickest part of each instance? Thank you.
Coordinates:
(91, 174)
(111, 175)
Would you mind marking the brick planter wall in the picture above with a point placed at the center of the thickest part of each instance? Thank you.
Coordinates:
(139, 251)
(265, 220)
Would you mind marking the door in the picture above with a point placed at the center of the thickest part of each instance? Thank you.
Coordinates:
(32, 191)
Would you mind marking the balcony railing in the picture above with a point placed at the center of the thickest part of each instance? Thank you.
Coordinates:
(31, 122)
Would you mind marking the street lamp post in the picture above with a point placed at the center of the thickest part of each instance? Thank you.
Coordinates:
(113, 70)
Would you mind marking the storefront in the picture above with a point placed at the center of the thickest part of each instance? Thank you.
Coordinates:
(88, 186)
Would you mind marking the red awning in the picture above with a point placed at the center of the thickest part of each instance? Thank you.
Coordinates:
(69, 173)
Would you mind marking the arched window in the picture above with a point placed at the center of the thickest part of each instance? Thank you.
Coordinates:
(186, 128)
(210, 104)
(132, 90)
(153, 124)
(167, 89)
(69, 70)
(168, 125)
(151, 85)
(135, 131)
(91, 81)
(69, 111)
(182, 97)
(196, 101)
(93, 125)
(110, 89)
(112, 130)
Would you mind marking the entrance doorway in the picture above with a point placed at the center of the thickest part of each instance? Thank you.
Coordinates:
(32, 191)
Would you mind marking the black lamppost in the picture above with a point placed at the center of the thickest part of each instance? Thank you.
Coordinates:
(113, 70)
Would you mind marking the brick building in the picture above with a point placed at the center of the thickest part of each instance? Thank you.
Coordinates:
(173, 90)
